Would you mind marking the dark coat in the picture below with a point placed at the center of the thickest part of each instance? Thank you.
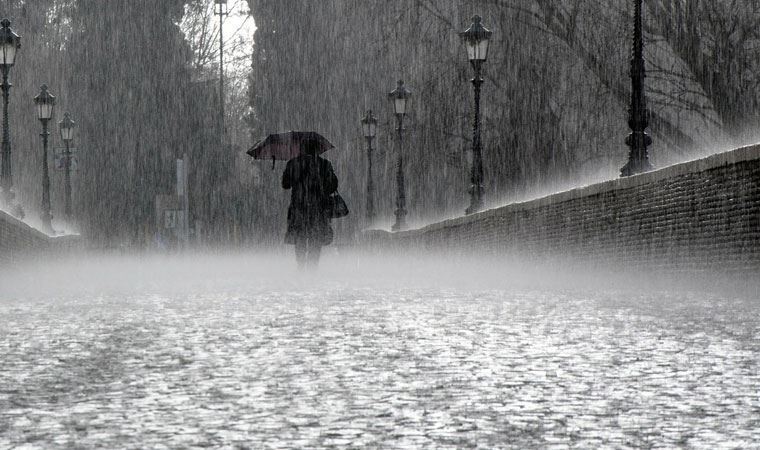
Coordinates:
(311, 180)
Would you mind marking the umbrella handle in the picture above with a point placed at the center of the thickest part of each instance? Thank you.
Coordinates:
(273, 162)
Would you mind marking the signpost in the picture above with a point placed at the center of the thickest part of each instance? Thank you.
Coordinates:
(59, 159)
(183, 223)
(170, 219)
(172, 212)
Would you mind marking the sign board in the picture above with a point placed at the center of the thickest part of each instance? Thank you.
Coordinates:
(181, 178)
(171, 218)
(183, 226)
(165, 204)
(59, 159)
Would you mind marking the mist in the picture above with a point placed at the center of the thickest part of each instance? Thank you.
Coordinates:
(225, 349)
(189, 260)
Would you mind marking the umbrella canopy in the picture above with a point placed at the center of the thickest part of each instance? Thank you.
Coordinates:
(286, 146)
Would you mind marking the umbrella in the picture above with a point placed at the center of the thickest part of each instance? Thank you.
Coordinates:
(286, 146)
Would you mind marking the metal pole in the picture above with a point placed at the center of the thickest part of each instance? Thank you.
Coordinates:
(6, 174)
(67, 204)
(476, 174)
(47, 217)
(370, 185)
(221, 75)
(400, 224)
(638, 120)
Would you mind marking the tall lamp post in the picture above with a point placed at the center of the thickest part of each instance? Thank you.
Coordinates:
(45, 102)
(399, 97)
(220, 9)
(476, 39)
(67, 134)
(638, 115)
(10, 42)
(369, 129)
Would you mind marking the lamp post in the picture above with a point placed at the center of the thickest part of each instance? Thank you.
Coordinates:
(369, 129)
(399, 98)
(10, 42)
(220, 9)
(45, 102)
(476, 40)
(67, 134)
(638, 115)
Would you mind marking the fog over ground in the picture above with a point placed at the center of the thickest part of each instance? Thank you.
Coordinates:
(276, 269)
(233, 347)
(242, 349)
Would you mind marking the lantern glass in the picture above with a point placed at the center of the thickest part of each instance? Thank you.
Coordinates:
(9, 44)
(482, 49)
(477, 50)
(45, 102)
(67, 134)
(67, 128)
(476, 39)
(9, 54)
(369, 129)
(369, 125)
(399, 97)
(220, 7)
(399, 105)
(45, 111)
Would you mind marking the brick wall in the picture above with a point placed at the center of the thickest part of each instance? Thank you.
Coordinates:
(18, 240)
(698, 215)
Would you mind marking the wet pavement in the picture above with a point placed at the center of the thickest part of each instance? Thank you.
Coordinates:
(210, 356)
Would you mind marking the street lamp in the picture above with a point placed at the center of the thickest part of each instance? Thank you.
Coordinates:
(67, 134)
(476, 40)
(10, 42)
(638, 115)
(220, 9)
(45, 102)
(369, 129)
(399, 97)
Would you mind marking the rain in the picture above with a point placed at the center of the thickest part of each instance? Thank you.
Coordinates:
(160, 158)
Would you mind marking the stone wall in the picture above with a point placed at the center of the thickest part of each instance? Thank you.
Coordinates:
(19, 241)
(698, 215)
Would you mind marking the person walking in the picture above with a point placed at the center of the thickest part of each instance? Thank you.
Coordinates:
(311, 180)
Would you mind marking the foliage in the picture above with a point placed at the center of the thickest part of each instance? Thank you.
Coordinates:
(123, 69)
(140, 78)
(554, 102)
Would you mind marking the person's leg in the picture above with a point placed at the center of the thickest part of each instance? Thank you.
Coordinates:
(301, 252)
(315, 249)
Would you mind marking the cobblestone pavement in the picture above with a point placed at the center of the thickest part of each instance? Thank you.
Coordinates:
(122, 354)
